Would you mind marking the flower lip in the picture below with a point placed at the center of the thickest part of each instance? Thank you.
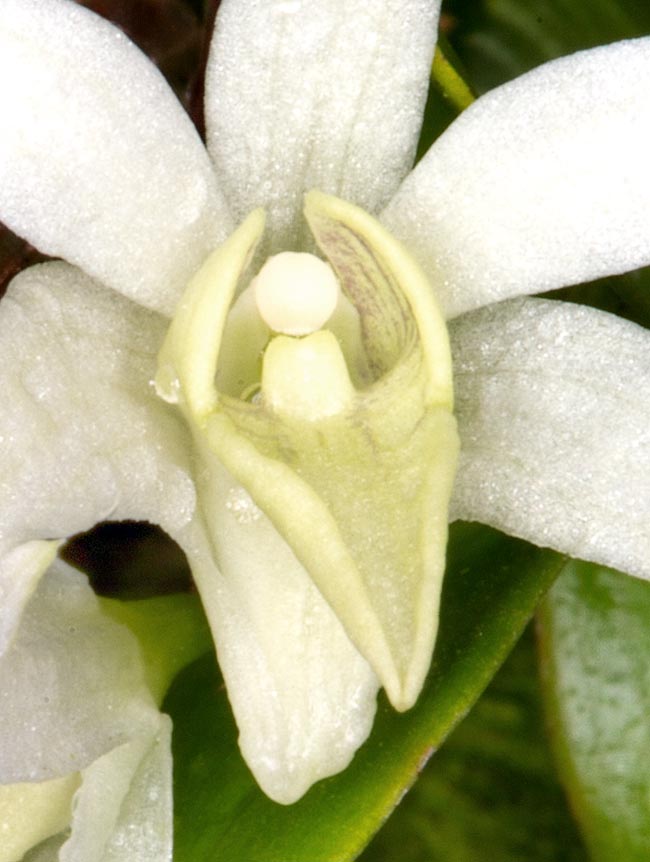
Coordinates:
(327, 471)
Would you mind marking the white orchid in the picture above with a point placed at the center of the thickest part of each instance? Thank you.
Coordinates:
(85, 759)
(542, 183)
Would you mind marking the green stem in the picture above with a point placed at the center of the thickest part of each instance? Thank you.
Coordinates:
(445, 74)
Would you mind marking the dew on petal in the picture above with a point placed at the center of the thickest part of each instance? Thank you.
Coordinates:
(167, 384)
(241, 504)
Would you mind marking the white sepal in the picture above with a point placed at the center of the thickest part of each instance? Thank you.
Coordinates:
(348, 124)
(554, 424)
(541, 183)
(99, 164)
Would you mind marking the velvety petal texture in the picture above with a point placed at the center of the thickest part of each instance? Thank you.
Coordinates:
(72, 683)
(99, 164)
(75, 703)
(328, 95)
(83, 436)
(541, 183)
(303, 697)
(123, 811)
(20, 570)
(555, 428)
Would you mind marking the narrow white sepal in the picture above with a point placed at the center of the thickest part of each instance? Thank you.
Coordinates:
(541, 183)
(349, 126)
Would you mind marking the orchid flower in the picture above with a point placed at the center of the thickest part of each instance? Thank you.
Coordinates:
(85, 759)
(319, 566)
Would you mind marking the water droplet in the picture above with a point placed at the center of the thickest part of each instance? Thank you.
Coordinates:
(167, 384)
(241, 505)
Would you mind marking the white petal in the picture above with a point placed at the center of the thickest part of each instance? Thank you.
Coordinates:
(74, 699)
(123, 810)
(83, 436)
(99, 164)
(543, 182)
(303, 697)
(20, 571)
(555, 429)
(72, 684)
(316, 94)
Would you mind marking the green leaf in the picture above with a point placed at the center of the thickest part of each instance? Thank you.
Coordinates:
(492, 585)
(491, 792)
(595, 643)
(499, 39)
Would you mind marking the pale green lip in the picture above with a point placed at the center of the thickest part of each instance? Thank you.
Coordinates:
(354, 467)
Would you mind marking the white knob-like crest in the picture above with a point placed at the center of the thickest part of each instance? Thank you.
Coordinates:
(296, 293)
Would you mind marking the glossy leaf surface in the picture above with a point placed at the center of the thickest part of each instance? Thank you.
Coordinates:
(499, 39)
(491, 792)
(493, 584)
(595, 644)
